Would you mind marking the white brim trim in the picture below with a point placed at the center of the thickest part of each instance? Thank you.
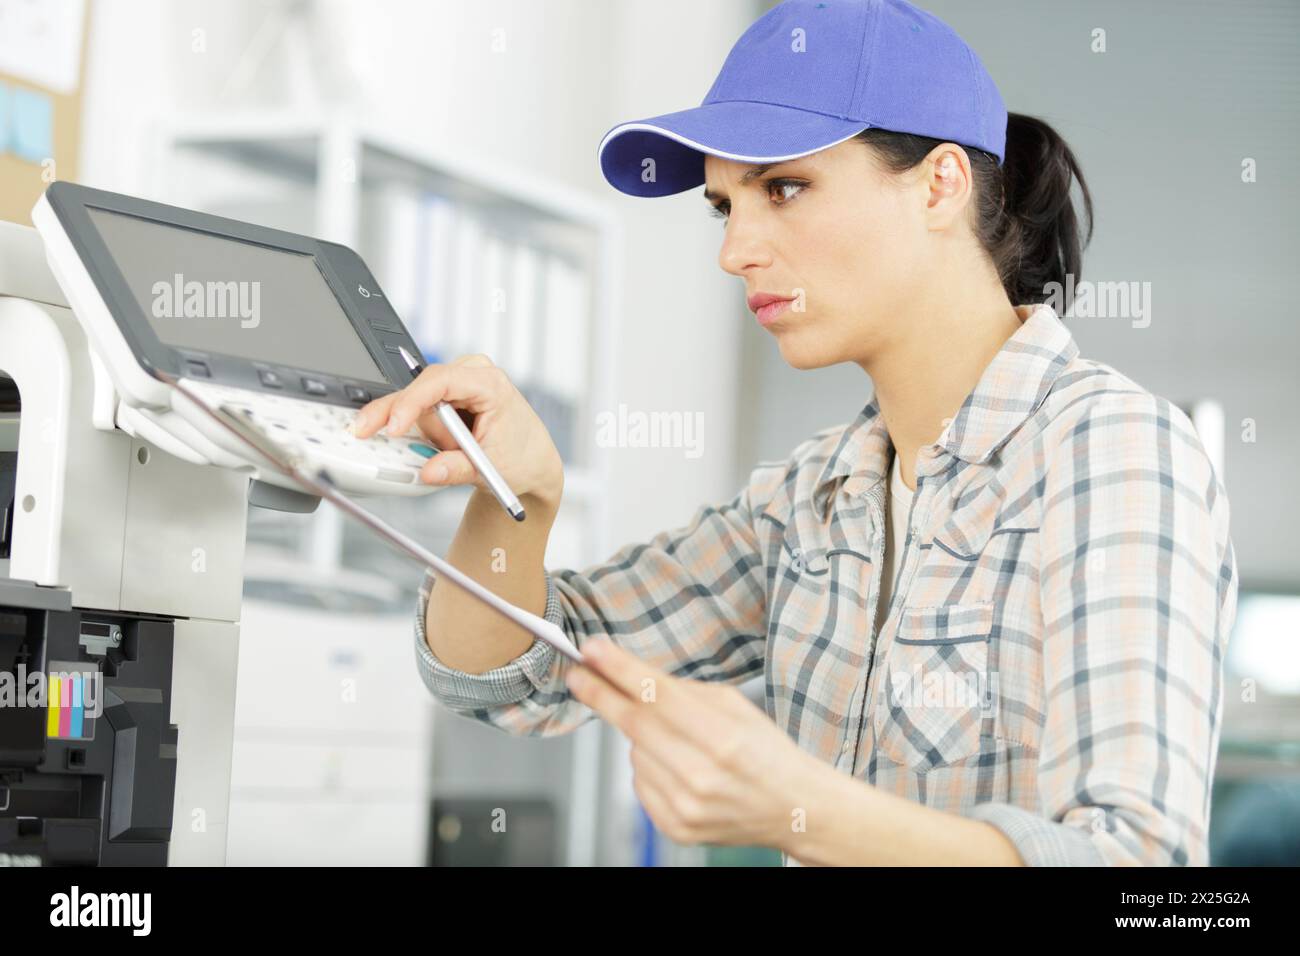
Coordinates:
(632, 127)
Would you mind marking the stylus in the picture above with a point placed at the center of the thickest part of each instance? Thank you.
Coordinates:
(318, 483)
(473, 451)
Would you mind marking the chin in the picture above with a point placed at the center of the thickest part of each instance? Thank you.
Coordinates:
(803, 349)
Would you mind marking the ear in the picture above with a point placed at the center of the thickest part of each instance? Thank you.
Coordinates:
(948, 178)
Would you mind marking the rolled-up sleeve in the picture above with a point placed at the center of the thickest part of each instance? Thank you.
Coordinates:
(528, 673)
(1138, 592)
(691, 602)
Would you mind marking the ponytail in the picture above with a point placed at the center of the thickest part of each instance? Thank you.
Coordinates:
(1025, 217)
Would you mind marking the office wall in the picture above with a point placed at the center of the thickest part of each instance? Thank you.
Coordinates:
(1161, 123)
(535, 85)
(566, 71)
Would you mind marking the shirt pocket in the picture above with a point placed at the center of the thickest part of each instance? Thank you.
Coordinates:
(935, 698)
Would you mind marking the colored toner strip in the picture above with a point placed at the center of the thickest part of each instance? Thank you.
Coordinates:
(66, 716)
(52, 707)
(75, 724)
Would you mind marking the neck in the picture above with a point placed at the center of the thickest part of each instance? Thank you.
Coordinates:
(923, 377)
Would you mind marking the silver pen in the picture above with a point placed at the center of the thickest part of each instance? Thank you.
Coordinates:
(449, 417)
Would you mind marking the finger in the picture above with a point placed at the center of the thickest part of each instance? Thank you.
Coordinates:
(663, 762)
(682, 710)
(471, 387)
(429, 423)
(623, 669)
(437, 431)
(683, 817)
(449, 468)
(433, 428)
(679, 754)
(642, 681)
(658, 807)
(372, 415)
(602, 697)
(477, 360)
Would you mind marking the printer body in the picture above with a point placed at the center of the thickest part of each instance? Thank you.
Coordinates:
(121, 566)
(124, 512)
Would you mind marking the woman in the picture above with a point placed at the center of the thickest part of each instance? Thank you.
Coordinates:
(990, 612)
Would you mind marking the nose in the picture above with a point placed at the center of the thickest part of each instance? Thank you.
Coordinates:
(743, 248)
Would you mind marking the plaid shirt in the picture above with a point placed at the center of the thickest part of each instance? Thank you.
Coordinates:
(1052, 658)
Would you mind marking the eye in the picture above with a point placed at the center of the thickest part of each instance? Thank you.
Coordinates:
(781, 186)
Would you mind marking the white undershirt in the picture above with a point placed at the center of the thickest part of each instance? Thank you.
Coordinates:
(899, 504)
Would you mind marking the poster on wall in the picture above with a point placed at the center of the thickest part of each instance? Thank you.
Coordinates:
(42, 47)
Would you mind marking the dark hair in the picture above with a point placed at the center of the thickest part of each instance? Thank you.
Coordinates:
(1025, 218)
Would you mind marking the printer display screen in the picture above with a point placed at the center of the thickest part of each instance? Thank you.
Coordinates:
(213, 294)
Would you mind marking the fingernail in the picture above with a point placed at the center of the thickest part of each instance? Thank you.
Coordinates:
(360, 422)
(593, 649)
(575, 679)
(440, 473)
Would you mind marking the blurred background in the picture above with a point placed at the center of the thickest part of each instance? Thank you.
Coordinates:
(454, 146)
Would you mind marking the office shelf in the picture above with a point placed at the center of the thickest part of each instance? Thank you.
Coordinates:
(330, 175)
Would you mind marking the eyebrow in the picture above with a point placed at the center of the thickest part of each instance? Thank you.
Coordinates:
(749, 176)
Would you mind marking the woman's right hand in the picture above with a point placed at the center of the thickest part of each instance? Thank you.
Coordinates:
(504, 424)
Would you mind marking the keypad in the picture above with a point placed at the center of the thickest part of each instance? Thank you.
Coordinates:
(322, 434)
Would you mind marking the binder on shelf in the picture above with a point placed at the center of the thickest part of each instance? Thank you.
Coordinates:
(519, 356)
(564, 352)
(396, 226)
(434, 262)
(495, 298)
(467, 286)
(556, 414)
(473, 289)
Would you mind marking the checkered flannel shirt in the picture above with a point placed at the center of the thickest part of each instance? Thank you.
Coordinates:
(1052, 657)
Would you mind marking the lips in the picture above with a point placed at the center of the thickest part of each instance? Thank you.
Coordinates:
(760, 299)
(767, 306)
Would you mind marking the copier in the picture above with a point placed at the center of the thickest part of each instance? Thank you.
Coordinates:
(124, 511)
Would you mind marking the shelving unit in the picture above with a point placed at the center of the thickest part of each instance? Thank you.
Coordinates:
(326, 174)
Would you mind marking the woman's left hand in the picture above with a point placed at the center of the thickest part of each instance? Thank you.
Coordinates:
(709, 766)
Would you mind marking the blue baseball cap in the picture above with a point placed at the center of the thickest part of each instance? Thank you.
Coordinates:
(809, 74)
